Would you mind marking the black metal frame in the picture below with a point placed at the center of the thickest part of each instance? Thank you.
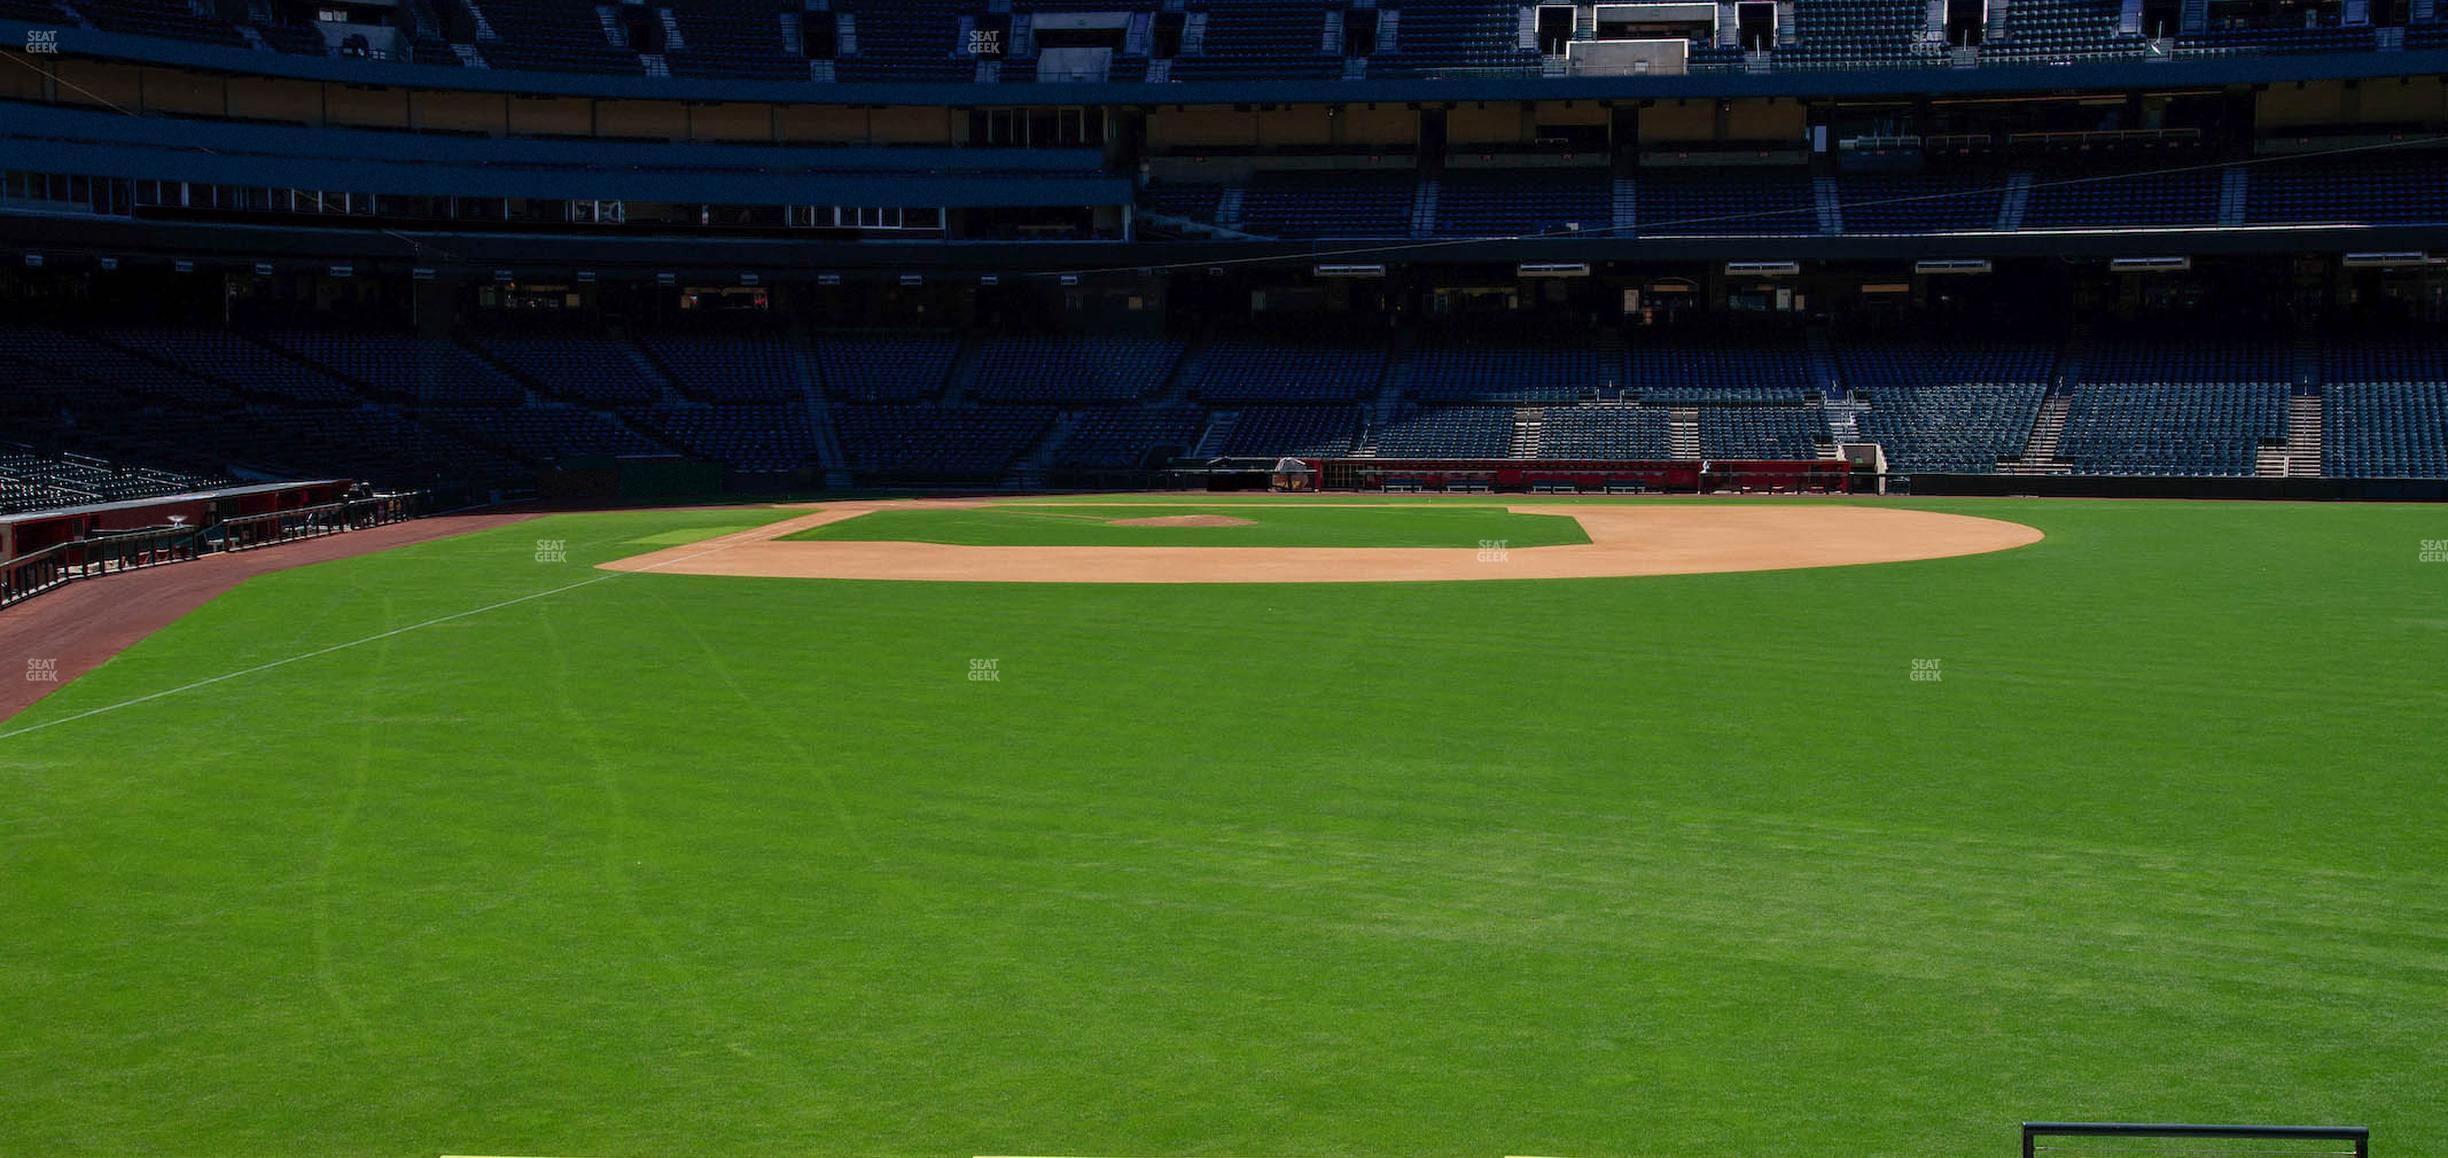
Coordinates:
(2033, 1131)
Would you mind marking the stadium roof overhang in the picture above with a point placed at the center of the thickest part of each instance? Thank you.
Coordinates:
(48, 139)
(544, 256)
(2119, 75)
(459, 180)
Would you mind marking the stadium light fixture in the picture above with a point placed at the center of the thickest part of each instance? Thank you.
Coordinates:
(2391, 260)
(2149, 264)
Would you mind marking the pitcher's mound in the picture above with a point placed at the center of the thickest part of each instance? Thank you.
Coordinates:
(1181, 521)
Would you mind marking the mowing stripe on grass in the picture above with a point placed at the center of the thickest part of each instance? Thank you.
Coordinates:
(377, 637)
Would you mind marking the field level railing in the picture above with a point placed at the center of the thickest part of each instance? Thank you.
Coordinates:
(39, 571)
(109, 553)
(245, 532)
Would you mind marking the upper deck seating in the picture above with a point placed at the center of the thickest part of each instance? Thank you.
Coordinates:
(1524, 202)
(1261, 40)
(1328, 204)
(1679, 203)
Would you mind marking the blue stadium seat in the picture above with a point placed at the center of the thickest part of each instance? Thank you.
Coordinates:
(1072, 369)
(1449, 432)
(1240, 370)
(1301, 203)
(1293, 430)
(1623, 433)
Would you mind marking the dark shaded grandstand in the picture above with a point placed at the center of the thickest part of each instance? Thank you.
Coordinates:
(1141, 41)
(802, 408)
(468, 244)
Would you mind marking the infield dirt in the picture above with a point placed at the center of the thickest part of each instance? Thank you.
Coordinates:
(1625, 540)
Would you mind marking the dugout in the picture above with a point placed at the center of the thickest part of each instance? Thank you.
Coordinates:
(1589, 476)
(1245, 474)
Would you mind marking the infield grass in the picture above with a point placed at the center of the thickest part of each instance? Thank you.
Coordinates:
(1299, 523)
(670, 864)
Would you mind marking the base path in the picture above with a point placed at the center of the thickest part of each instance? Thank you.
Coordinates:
(86, 622)
(1625, 539)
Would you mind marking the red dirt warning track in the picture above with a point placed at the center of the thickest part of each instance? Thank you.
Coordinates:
(1625, 539)
(89, 621)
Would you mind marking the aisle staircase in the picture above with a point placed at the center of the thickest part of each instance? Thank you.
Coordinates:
(2234, 187)
(1029, 474)
(829, 455)
(1683, 431)
(1844, 417)
(1829, 205)
(1527, 421)
(1219, 427)
(2300, 455)
(1228, 206)
(2040, 450)
(2018, 199)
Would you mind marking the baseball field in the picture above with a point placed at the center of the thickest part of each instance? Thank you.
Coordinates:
(479, 847)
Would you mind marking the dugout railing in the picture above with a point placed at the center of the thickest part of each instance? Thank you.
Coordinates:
(39, 571)
(244, 532)
(105, 553)
(1589, 476)
(1521, 475)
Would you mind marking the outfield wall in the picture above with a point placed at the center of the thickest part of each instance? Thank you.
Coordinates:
(2396, 490)
(1684, 476)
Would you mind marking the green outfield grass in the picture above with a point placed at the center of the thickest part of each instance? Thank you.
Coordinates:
(1678, 866)
(1300, 523)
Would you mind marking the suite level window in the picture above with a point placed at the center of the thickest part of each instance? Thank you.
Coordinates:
(864, 217)
(1036, 128)
(598, 212)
